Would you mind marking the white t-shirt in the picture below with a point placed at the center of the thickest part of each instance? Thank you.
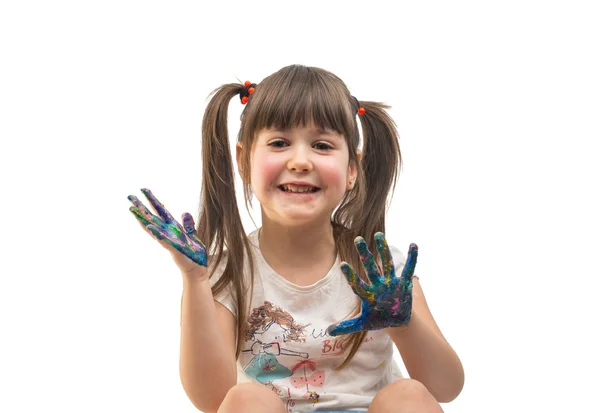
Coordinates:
(288, 350)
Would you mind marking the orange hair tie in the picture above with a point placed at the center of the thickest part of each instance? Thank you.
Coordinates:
(246, 91)
(360, 110)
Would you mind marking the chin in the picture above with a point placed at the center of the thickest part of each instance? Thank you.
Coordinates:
(297, 221)
(304, 219)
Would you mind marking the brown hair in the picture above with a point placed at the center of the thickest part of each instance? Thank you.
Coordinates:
(293, 96)
(263, 316)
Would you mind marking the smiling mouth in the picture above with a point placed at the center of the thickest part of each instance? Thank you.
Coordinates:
(310, 191)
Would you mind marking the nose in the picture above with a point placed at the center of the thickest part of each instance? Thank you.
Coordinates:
(300, 159)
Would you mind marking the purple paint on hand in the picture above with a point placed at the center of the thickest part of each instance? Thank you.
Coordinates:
(387, 300)
(165, 228)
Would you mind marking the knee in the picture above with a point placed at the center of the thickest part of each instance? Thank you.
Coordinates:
(245, 393)
(405, 392)
(409, 389)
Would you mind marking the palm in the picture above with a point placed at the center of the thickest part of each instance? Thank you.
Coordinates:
(165, 228)
(387, 301)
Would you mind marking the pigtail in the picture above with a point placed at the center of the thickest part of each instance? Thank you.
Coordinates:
(219, 223)
(381, 164)
(362, 210)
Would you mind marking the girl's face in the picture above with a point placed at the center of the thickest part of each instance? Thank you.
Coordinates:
(301, 155)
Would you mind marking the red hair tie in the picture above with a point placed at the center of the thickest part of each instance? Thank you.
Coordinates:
(246, 91)
(360, 110)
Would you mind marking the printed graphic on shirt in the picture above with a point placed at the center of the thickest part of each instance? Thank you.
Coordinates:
(316, 379)
(272, 336)
(265, 366)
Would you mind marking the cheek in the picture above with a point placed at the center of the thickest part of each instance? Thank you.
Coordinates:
(334, 174)
(265, 169)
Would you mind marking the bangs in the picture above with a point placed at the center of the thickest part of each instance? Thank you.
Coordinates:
(300, 96)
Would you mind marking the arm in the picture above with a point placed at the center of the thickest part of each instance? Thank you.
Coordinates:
(207, 354)
(425, 352)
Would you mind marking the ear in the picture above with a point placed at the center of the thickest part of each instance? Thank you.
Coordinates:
(353, 171)
(238, 158)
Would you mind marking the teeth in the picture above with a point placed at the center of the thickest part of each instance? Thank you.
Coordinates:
(298, 188)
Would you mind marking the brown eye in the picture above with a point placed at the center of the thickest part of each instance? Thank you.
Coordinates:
(277, 144)
(323, 146)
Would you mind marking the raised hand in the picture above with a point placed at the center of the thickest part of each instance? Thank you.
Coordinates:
(168, 231)
(387, 301)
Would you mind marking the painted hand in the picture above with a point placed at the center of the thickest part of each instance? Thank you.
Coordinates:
(167, 229)
(387, 301)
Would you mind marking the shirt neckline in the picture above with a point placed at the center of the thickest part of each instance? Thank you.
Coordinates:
(253, 237)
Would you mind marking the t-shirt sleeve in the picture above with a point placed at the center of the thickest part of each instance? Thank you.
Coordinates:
(226, 296)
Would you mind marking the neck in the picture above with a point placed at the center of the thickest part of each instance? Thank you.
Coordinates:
(297, 246)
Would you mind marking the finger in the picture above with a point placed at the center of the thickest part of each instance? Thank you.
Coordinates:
(360, 288)
(145, 212)
(368, 261)
(346, 327)
(389, 270)
(162, 240)
(190, 230)
(411, 262)
(144, 219)
(145, 228)
(158, 206)
(158, 233)
(188, 224)
(164, 214)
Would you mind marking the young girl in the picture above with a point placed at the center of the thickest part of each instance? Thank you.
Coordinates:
(290, 318)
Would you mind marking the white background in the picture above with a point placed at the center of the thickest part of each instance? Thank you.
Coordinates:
(497, 104)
